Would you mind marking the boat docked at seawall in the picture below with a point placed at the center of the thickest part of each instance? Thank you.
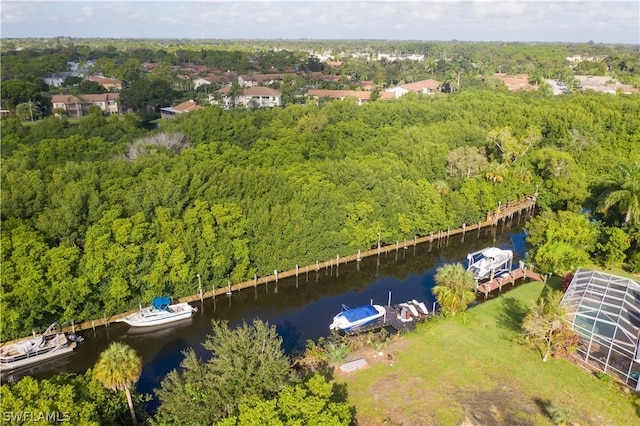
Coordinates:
(352, 318)
(489, 263)
(50, 344)
(400, 317)
(159, 312)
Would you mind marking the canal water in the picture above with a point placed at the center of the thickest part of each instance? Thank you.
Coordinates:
(301, 308)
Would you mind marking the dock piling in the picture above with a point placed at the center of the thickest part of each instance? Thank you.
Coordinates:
(504, 212)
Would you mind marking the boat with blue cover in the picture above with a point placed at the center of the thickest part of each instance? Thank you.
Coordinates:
(351, 318)
(161, 311)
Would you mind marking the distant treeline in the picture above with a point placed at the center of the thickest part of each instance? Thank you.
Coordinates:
(101, 215)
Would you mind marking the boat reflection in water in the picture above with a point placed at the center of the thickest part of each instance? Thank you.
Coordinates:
(59, 363)
(159, 331)
(33, 351)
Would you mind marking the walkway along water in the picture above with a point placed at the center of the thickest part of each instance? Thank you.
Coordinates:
(501, 217)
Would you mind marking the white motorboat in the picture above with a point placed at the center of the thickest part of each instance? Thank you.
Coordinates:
(52, 343)
(489, 262)
(351, 318)
(159, 312)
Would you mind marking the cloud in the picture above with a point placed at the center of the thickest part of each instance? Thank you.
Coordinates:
(85, 14)
(527, 20)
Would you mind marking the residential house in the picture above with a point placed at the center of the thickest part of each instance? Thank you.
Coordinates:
(425, 87)
(111, 84)
(187, 106)
(78, 106)
(250, 97)
(201, 81)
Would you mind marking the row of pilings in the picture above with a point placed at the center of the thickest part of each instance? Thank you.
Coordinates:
(497, 220)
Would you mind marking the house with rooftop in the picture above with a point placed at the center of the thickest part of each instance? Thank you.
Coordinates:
(78, 106)
(203, 81)
(425, 87)
(111, 84)
(186, 106)
(249, 97)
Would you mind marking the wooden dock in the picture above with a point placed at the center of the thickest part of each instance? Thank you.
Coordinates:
(504, 213)
(510, 278)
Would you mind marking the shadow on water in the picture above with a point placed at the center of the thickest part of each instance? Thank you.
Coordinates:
(300, 307)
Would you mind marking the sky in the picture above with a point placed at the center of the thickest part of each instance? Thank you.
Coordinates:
(604, 21)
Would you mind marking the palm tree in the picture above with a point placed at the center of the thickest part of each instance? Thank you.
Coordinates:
(627, 195)
(119, 368)
(454, 288)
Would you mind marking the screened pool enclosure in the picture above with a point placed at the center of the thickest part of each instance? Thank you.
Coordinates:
(605, 312)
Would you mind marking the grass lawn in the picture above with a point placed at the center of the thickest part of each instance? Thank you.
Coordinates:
(450, 372)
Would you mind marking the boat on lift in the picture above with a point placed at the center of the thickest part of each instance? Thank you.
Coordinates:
(489, 262)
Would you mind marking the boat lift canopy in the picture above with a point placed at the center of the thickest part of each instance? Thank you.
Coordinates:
(489, 262)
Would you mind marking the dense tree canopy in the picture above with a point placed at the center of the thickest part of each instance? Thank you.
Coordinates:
(247, 362)
(76, 399)
(88, 227)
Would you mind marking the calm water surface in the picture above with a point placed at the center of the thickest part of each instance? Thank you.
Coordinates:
(301, 308)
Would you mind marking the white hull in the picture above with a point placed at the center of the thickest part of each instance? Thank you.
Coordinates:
(489, 262)
(149, 317)
(350, 319)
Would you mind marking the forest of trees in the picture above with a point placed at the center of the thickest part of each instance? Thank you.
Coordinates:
(102, 215)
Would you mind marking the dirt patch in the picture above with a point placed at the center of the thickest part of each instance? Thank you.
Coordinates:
(498, 407)
(387, 355)
(503, 406)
